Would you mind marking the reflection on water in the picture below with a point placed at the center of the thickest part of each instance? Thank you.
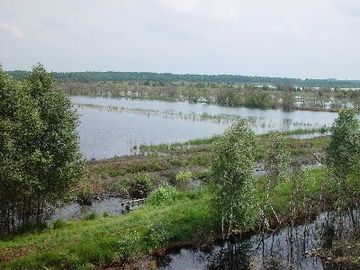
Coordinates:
(110, 206)
(286, 249)
(111, 127)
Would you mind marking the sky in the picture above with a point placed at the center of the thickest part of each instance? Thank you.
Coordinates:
(282, 38)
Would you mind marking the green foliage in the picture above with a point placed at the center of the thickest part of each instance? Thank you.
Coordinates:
(343, 156)
(58, 224)
(163, 195)
(232, 174)
(39, 153)
(183, 178)
(157, 235)
(127, 245)
(276, 167)
(276, 158)
(159, 79)
(259, 99)
(84, 193)
(343, 153)
(288, 101)
(104, 241)
(188, 220)
(203, 175)
(141, 186)
(90, 216)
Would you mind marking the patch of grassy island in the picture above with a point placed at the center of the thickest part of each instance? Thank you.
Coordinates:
(162, 163)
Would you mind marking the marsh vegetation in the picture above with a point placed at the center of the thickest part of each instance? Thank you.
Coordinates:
(222, 195)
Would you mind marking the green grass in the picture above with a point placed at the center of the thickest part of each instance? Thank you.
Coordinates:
(205, 143)
(80, 244)
(115, 176)
(173, 217)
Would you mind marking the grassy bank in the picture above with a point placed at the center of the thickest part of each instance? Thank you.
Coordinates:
(82, 244)
(182, 218)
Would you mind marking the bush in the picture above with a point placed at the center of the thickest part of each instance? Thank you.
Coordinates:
(156, 236)
(121, 187)
(90, 216)
(163, 195)
(182, 179)
(128, 245)
(141, 186)
(232, 175)
(343, 158)
(84, 194)
(204, 175)
(58, 224)
(39, 148)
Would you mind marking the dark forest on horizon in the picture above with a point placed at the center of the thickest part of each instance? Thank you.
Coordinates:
(144, 77)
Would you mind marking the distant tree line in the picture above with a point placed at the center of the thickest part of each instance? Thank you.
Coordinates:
(248, 95)
(224, 90)
(147, 77)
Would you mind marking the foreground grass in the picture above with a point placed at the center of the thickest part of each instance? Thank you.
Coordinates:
(82, 244)
(186, 219)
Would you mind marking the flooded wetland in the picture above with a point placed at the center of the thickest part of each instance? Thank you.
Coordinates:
(179, 135)
(115, 127)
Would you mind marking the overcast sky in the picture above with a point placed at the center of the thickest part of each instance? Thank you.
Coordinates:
(302, 38)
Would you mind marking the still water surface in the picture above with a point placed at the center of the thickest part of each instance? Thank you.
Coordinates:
(288, 248)
(115, 127)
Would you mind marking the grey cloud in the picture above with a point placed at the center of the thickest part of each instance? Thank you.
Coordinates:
(255, 37)
(12, 29)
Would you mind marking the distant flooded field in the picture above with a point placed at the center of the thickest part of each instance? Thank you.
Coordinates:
(116, 127)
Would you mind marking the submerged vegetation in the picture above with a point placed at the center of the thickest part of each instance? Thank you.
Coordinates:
(225, 90)
(287, 97)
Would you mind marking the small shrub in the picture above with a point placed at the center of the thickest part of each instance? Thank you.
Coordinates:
(156, 236)
(163, 195)
(182, 179)
(58, 224)
(121, 187)
(128, 246)
(203, 175)
(141, 186)
(90, 216)
(193, 195)
(85, 193)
